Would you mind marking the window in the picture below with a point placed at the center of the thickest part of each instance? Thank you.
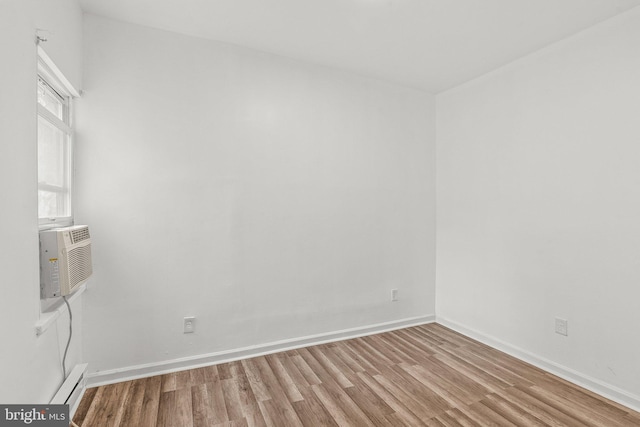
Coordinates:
(55, 149)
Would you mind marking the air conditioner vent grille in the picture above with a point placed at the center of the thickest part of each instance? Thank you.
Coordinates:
(80, 234)
(80, 267)
(65, 260)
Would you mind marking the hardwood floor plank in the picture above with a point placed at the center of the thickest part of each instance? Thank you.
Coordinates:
(310, 377)
(184, 407)
(183, 379)
(202, 411)
(197, 376)
(167, 409)
(277, 403)
(259, 389)
(470, 390)
(248, 402)
(211, 374)
(132, 406)
(287, 383)
(401, 412)
(375, 357)
(224, 371)
(151, 402)
(109, 412)
(585, 399)
(277, 415)
(217, 402)
(119, 402)
(486, 416)
(413, 336)
(387, 355)
(232, 399)
(408, 355)
(340, 351)
(360, 357)
(330, 367)
(420, 376)
(544, 412)
(575, 409)
(425, 340)
(273, 386)
(168, 382)
(235, 423)
(632, 419)
(411, 403)
(255, 420)
(442, 387)
(331, 353)
(557, 381)
(97, 403)
(316, 367)
(517, 367)
(332, 386)
(448, 420)
(428, 397)
(492, 367)
(470, 370)
(398, 419)
(511, 412)
(448, 335)
(434, 422)
(459, 418)
(85, 404)
(294, 373)
(404, 353)
(369, 403)
(341, 416)
(311, 412)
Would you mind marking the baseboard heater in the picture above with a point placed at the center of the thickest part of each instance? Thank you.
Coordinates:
(72, 389)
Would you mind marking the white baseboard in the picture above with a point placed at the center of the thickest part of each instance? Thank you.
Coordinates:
(606, 390)
(164, 367)
(72, 390)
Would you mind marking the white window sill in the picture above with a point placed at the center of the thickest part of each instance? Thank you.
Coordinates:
(48, 318)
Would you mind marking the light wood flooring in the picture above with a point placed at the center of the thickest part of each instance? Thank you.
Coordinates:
(421, 376)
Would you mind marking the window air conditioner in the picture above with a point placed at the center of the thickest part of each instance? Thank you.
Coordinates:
(65, 260)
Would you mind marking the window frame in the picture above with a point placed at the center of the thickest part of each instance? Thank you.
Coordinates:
(52, 77)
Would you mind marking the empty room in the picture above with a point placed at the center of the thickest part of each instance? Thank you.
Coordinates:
(320, 213)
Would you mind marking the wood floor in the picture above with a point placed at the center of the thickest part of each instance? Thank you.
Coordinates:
(421, 376)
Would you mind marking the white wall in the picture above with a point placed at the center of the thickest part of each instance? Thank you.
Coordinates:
(270, 198)
(538, 203)
(30, 368)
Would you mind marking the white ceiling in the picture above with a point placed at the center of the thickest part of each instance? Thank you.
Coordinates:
(430, 44)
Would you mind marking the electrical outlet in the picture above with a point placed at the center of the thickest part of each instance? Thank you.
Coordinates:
(394, 295)
(189, 325)
(562, 326)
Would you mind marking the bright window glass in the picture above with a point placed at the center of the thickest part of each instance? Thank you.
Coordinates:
(50, 99)
(54, 155)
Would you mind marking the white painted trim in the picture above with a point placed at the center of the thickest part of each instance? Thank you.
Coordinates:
(74, 407)
(168, 366)
(72, 389)
(47, 318)
(597, 386)
(52, 69)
